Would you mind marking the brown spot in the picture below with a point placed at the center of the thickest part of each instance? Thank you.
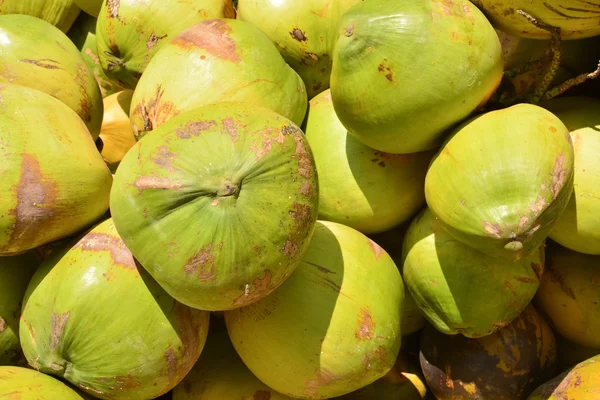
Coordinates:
(154, 112)
(153, 41)
(349, 30)
(306, 190)
(2, 325)
(523, 222)
(164, 158)
(366, 325)
(260, 289)
(82, 79)
(381, 164)
(119, 253)
(189, 324)
(211, 36)
(43, 63)
(323, 378)
(302, 215)
(569, 138)
(298, 35)
(492, 229)
(539, 205)
(36, 195)
(171, 363)
(262, 395)
(269, 136)
(552, 128)
(463, 202)
(556, 277)
(559, 176)
(508, 11)
(202, 264)
(290, 248)
(112, 7)
(193, 128)
(510, 286)
(215, 202)
(386, 70)
(526, 279)
(230, 128)
(376, 249)
(90, 53)
(57, 322)
(152, 182)
(538, 269)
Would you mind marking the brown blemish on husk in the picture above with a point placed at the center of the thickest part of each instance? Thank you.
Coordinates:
(386, 70)
(492, 229)
(559, 176)
(526, 279)
(211, 36)
(193, 128)
(152, 182)
(290, 248)
(171, 363)
(57, 322)
(119, 253)
(2, 325)
(112, 7)
(298, 35)
(164, 158)
(306, 190)
(153, 41)
(262, 395)
(538, 269)
(375, 248)
(202, 264)
(42, 63)
(302, 215)
(556, 277)
(188, 326)
(154, 112)
(122, 382)
(511, 287)
(269, 136)
(523, 222)
(303, 157)
(36, 195)
(539, 205)
(261, 289)
(230, 128)
(323, 378)
(366, 325)
(85, 103)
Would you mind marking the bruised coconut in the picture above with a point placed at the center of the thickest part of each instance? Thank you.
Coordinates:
(570, 294)
(26, 384)
(54, 182)
(220, 374)
(506, 365)
(305, 33)
(361, 187)
(95, 318)
(232, 189)
(576, 19)
(333, 326)
(214, 61)
(34, 53)
(461, 290)
(116, 134)
(579, 226)
(15, 273)
(60, 13)
(397, 102)
(506, 177)
(130, 32)
(578, 383)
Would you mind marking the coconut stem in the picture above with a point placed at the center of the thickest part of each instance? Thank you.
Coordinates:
(552, 53)
(526, 67)
(568, 84)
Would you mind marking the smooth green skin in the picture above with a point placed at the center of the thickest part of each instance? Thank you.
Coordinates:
(578, 383)
(60, 13)
(220, 374)
(27, 384)
(214, 61)
(395, 101)
(576, 19)
(15, 273)
(218, 204)
(506, 365)
(460, 289)
(53, 180)
(91, 7)
(361, 187)
(333, 326)
(570, 295)
(305, 33)
(94, 318)
(83, 34)
(130, 32)
(36, 54)
(579, 226)
(502, 179)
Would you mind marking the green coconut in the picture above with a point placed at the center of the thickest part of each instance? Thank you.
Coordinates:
(570, 294)
(333, 327)
(130, 32)
(576, 19)
(305, 33)
(578, 383)
(36, 54)
(506, 177)
(395, 101)
(214, 61)
(218, 204)
(460, 289)
(579, 226)
(361, 187)
(54, 183)
(15, 273)
(17, 383)
(60, 13)
(506, 365)
(83, 34)
(93, 317)
(91, 7)
(220, 374)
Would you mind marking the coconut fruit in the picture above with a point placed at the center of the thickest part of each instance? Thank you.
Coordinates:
(502, 179)
(333, 326)
(96, 319)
